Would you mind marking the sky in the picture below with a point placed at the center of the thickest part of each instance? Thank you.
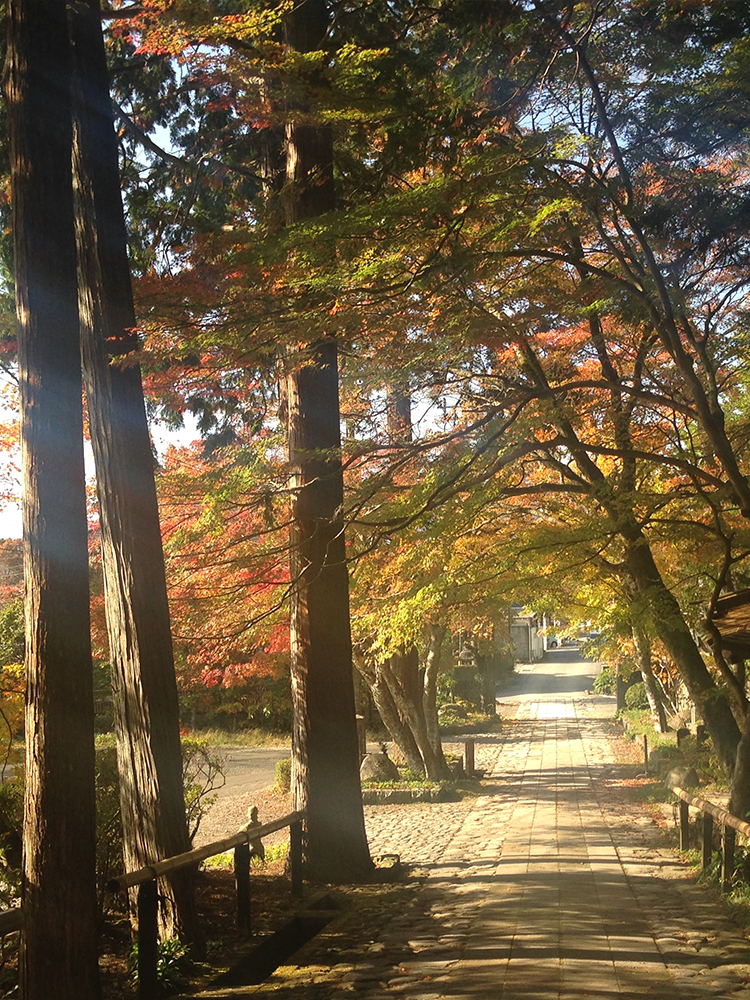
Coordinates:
(10, 515)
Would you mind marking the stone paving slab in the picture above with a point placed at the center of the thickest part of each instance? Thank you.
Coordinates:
(545, 887)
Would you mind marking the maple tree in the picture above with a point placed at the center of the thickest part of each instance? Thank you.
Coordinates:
(585, 206)
(530, 241)
(225, 518)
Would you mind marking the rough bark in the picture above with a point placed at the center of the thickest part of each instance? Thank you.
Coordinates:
(399, 732)
(143, 678)
(404, 713)
(642, 645)
(324, 743)
(401, 673)
(739, 799)
(673, 631)
(325, 750)
(431, 671)
(59, 896)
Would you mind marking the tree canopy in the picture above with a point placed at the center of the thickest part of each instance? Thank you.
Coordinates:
(527, 242)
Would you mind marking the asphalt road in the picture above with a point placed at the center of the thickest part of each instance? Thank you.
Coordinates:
(249, 769)
(563, 671)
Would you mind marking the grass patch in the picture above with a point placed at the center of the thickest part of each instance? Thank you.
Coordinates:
(406, 784)
(688, 754)
(219, 862)
(275, 853)
(473, 722)
(640, 723)
(737, 900)
(241, 738)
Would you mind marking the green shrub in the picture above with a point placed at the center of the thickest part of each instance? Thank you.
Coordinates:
(606, 681)
(202, 772)
(635, 696)
(12, 641)
(284, 775)
(172, 965)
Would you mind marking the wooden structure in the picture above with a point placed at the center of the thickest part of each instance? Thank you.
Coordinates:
(730, 827)
(732, 620)
(246, 842)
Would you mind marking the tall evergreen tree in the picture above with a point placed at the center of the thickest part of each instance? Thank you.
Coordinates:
(143, 677)
(59, 900)
(325, 745)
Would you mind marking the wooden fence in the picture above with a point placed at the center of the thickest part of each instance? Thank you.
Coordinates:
(730, 827)
(244, 844)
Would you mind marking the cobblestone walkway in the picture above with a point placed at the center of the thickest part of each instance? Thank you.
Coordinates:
(549, 886)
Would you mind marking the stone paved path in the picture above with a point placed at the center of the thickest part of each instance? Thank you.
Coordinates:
(560, 917)
(549, 886)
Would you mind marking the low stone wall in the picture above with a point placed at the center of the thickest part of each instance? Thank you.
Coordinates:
(401, 796)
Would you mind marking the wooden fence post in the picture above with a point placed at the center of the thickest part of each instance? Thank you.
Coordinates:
(295, 857)
(727, 859)
(469, 757)
(148, 939)
(361, 736)
(645, 752)
(708, 837)
(684, 826)
(242, 883)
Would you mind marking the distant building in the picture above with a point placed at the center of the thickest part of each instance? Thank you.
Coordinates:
(525, 631)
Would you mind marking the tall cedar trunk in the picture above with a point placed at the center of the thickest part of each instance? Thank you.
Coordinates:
(429, 695)
(673, 631)
(325, 748)
(642, 645)
(143, 678)
(59, 896)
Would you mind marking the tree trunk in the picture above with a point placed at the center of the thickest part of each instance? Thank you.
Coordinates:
(673, 631)
(739, 799)
(401, 673)
(642, 645)
(388, 697)
(143, 678)
(398, 417)
(429, 696)
(324, 743)
(59, 953)
(399, 731)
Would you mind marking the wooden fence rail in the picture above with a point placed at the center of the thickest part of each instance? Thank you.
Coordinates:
(11, 920)
(730, 827)
(245, 843)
